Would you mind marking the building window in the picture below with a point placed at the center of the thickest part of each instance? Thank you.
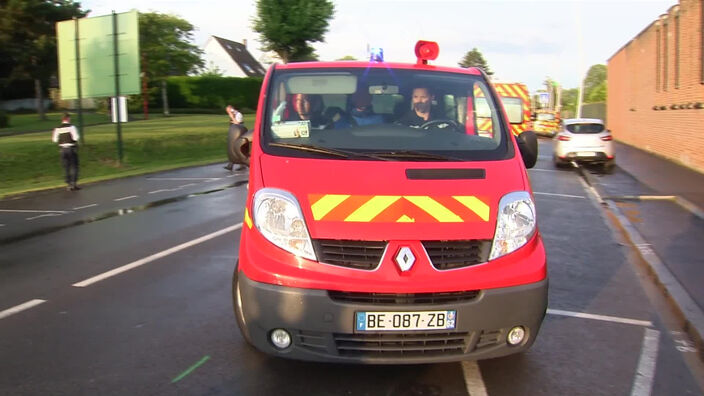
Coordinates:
(657, 60)
(677, 51)
(664, 57)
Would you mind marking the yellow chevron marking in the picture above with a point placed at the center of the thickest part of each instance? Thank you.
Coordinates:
(247, 218)
(475, 205)
(435, 209)
(326, 204)
(405, 219)
(372, 208)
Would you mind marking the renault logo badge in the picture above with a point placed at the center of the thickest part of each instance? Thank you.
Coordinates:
(405, 259)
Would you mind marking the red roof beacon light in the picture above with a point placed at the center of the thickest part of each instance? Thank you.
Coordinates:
(426, 50)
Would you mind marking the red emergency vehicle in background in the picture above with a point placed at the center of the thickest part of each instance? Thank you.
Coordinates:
(384, 222)
(516, 100)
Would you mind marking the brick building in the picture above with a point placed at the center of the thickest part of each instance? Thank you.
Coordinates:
(656, 87)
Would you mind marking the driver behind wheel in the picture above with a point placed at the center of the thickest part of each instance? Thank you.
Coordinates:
(422, 109)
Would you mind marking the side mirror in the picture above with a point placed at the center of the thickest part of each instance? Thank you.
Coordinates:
(528, 145)
(239, 143)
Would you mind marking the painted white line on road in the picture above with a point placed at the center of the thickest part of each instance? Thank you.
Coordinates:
(182, 178)
(558, 195)
(473, 379)
(32, 211)
(2, 225)
(84, 207)
(615, 319)
(124, 198)
(543, 170)
(156, 256)
(44, 215)
(158, 191)
(645, 373)
(187, 185)
(19, 308)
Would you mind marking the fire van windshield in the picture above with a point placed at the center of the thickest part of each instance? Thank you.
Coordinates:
(382, 114)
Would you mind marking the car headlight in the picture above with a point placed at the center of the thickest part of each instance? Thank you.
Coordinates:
(515, 224)
(279, 219)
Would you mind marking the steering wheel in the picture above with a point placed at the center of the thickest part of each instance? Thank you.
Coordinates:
(442, 124)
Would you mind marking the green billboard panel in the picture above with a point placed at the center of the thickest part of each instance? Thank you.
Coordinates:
(96, 47)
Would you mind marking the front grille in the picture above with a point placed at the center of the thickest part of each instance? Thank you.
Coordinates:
(489, 339)
(446, 255)
(312, 340)
(403, 298)
(364, 255)
(403, 344)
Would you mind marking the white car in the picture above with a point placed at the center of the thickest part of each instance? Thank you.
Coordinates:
(584, 140)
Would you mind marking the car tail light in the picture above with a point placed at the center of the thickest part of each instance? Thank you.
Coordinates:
(564, 138)
(607, 138)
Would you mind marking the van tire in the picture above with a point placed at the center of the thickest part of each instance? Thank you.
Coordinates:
(238, 313)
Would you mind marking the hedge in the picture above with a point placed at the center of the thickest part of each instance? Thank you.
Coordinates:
(211, 92)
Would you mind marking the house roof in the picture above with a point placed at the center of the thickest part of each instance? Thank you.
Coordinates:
(242, 57)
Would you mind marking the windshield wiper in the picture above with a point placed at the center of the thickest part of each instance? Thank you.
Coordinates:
(417, 155)
(326, 150)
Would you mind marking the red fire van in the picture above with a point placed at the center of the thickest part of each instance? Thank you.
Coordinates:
(383, 225)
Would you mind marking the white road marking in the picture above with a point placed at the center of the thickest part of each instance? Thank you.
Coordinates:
(2, 225)
(84, 207)
(558, 195)
(19, 308)
(615, 319)
(473, 378)
(158, 191)
(32, 211)
(643, 384)
(44, 215)
(124, 198)
(183, 178)
(155, 256)
(187, 185)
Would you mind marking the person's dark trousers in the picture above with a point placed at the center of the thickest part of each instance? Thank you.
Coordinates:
(69, 159)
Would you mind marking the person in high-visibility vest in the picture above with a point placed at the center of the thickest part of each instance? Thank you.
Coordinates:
(66, 135)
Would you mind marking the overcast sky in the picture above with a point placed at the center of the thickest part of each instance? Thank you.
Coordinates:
(523, 41)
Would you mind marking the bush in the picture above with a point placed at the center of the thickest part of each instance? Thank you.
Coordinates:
(212, 92)
(4, 119)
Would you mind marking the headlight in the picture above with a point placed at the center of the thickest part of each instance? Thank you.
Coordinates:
(515, 224)
(278, 217)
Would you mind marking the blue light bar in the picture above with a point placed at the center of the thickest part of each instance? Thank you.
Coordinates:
(376, 55)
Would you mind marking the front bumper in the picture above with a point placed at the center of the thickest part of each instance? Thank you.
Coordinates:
(322, 327)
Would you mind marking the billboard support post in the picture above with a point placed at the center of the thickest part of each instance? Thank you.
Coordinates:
(117, 86)
(81, 136)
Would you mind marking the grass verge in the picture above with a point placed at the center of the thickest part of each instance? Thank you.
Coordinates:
(31, 162)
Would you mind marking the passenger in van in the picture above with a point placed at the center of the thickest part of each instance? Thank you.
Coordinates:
(309, 107)
(361, 110)
(422, 109)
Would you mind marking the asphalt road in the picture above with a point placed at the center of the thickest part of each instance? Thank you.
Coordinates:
(165, 324)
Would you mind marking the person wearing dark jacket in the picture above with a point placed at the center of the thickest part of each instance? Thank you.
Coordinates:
(66, 135)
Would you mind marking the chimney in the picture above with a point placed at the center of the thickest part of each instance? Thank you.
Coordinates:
(244, 42)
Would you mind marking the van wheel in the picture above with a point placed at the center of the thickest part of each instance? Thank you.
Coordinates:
(238, 313)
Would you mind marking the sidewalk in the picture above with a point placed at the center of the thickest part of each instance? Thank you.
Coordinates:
(664, 220)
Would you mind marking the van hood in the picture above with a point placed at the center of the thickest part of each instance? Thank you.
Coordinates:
(382, 201)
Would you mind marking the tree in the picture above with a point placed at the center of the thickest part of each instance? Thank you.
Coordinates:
(474, 58)
(165, 43)
(569, 99)
(595, 84)
(28, 41)
(287, 27)
(347, 58)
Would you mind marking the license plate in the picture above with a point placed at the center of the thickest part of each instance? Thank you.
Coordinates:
(397, 321)
(586, 154)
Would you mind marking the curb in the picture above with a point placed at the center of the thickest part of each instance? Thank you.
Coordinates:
(689, 313)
